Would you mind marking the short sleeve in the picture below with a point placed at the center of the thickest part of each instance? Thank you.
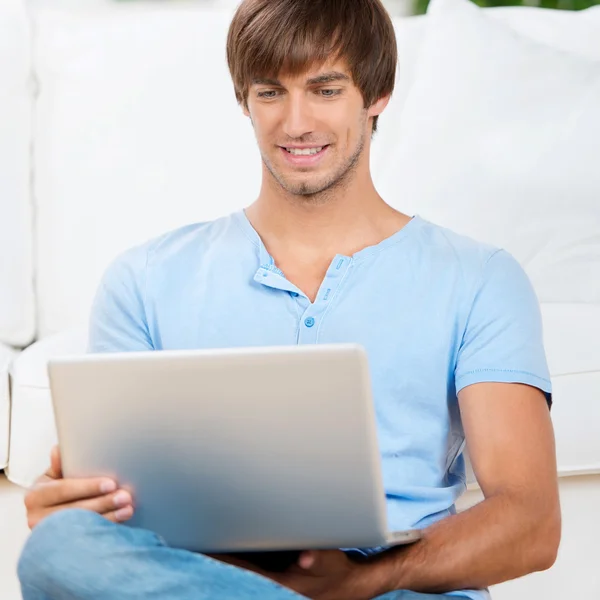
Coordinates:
(503, 338)
(117, 320)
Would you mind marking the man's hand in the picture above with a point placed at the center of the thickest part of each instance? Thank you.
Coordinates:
(329, 575)
(52, 493)
(320, 575)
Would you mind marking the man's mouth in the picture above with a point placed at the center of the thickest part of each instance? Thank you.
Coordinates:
(305, 151)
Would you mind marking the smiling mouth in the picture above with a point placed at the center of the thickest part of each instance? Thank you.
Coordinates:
(305, 151)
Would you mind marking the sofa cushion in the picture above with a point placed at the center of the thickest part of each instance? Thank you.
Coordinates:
(17, 323)
(498, 141)
(6, 356)
(572, 31)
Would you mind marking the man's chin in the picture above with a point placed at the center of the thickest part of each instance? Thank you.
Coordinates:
(306, 188)
(307, 192)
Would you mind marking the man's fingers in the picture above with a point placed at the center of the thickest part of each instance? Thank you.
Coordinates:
(318, 561)
(53, 493)
(119, 515)
(307, 559)
(67, 491)
(116, 507)
(108, 504)
(55, 471)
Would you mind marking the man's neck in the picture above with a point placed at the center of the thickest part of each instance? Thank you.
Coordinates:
(342, 222)
(304, 236)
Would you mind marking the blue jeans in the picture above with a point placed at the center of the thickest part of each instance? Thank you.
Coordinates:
(78, 555)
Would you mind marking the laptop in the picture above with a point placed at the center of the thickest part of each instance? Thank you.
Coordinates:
(232, 450)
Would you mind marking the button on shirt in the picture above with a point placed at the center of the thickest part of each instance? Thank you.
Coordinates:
(435, 312)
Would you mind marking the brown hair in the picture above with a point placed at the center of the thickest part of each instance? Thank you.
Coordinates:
(268, 38)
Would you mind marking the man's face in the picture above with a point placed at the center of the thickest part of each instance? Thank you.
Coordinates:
(311, 129)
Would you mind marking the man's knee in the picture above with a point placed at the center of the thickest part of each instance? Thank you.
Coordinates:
(62, 550)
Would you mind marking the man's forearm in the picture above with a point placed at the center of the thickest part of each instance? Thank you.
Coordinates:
(499, 539)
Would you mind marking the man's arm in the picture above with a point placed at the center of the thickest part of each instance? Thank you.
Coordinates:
(516, 529)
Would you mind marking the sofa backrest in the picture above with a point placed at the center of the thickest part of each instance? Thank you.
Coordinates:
(17, 319)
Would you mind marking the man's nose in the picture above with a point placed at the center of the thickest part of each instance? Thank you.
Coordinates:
(298, 120)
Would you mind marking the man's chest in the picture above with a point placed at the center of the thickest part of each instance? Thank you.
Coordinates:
(406, 330)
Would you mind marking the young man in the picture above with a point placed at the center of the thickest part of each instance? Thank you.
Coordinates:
(452, 330)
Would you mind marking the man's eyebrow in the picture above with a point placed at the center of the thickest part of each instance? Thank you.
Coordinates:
(328, 78)
(266, 81)
(319, 79)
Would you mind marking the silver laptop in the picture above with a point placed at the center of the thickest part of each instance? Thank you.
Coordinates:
(251, 449)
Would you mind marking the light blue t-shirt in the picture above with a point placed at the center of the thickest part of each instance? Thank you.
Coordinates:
(435, 312)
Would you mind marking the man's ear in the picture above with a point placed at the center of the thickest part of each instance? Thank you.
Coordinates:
(378, 107)
(246, 111)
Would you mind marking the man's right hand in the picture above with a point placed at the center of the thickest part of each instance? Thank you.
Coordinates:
(52, 493)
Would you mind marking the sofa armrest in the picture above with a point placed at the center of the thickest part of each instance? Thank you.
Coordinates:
(7, 355)
(32, 426)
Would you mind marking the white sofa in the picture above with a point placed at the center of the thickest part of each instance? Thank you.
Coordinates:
(121, 123)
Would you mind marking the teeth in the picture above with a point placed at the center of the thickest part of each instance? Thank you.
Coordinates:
(305, 151)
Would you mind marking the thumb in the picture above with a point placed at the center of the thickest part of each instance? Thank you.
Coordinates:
(307, 559)
(55, 471)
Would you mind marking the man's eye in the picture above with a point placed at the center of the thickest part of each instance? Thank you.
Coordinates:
(330, 93)
(268, 94)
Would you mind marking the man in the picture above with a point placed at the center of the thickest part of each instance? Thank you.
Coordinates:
(452, 330)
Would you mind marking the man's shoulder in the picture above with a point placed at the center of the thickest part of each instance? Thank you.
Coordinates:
(450, 248)
(190, 240)
(181, 244)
